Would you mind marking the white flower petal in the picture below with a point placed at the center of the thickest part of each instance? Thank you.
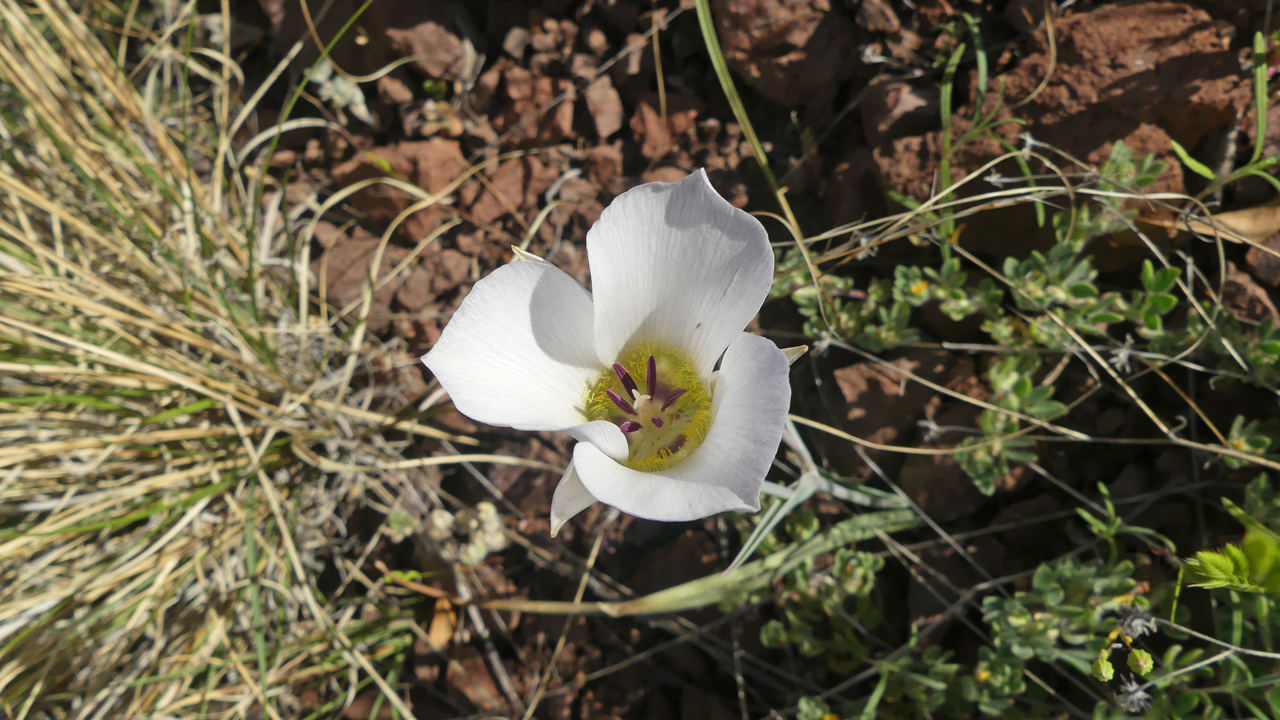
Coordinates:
(520, 350)
(571, 497)
(676, 264)
(727, 470)
(606, 436)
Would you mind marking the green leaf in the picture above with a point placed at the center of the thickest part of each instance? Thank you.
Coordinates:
(1195, 165)
(1261, 552)
(802, 525)
(1273, 699)
(1043, 579)
(773, 635)
(188, 409)
(1163, 302)
(1083, 290)
(1010, 267)
(1225, 568)
(1047, 409)
(1140, 662)
(812, 708)
(1164, 280)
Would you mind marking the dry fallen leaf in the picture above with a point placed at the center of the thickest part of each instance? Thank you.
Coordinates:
(442, 624)
(1249, 226)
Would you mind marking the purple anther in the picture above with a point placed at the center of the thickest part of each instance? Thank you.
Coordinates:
(653, 377)
(630, 426)
(625, 378)
(623, 405)
(657, 421)
(672, 398)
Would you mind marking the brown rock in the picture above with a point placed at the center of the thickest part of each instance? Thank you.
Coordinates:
(852, 191)
(504, 193)
(448, 269)
(393, 88)
(437, 35)
(519, 82)
(578, 190)
(1264, 261)
(516, 41)
(657, 138)
(540, 109)
(283, 159)
(545, 41)
(882, 404)
(561, 115)
(690, 556)
(468, 676)
(793, 51)
(326, 233)
(1026, 511)
(583, 67)
(1142, 72)
(897, 109)
(665, 174)
(431, 165)
(1245, 299)
(1125, 65)
(470, 243)
(399, 377)
(343, 271)
(605, 105)
(877, 16)
(935, 482)
(597, 41)
(964, 379)
(439, 32)
(274, 10)
(487, 84)
(985, 559)
(604, 164)
(414, 294)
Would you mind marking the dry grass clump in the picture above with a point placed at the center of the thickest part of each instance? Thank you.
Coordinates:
(177, 428)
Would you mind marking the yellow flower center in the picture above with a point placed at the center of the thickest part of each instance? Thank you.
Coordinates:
(658, 399)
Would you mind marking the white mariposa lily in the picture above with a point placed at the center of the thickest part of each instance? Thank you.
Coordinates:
(677, 273)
